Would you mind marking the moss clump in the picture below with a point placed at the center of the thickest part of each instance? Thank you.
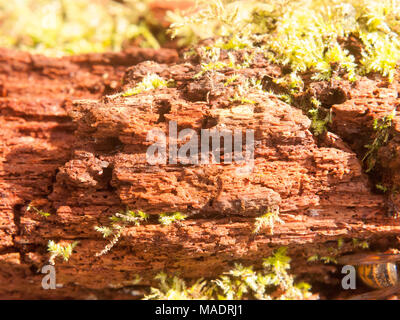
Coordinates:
(308, 39)
(382, 132)
(150, 82)
(244, 90)
(360, 243)
(267, 220)
(40, 212)
(319, 121)
(60, 250)
(273, 282)
(211, 63)
(335, 253)
(167, 219)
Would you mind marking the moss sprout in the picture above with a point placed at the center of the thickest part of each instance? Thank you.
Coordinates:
(319, 122)
(60, 250)
(151, 81)
(38, 211)
(382, 131)
(267, 220)
(119, 222)
(360, 244)
(167, 219)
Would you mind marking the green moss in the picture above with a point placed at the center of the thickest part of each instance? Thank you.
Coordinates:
(150, 82)
(292, 82)
(231, 80)
(244, 90)
(272, 282)
(167, 219)
(360, 244)
(268, 221)
(307, 39)
(241, 99)
(324, 259)
(340, 243)
(175, 288)
(211, 63)
(119, 222)
(211, 66)
(331, 257)
(381, 187)
(234, 43)
(60, 250)
(382, 132)
(287, 98)
(313, 258)
(38, 211)
(319, 121)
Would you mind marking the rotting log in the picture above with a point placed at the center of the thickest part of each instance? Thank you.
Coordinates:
(79, 151)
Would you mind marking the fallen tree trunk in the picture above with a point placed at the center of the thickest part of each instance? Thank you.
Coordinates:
(84, 160)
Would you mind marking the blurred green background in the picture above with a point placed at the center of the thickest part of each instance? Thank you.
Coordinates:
(59, 27)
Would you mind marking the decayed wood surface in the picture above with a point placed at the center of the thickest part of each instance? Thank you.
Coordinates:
(78, 151)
